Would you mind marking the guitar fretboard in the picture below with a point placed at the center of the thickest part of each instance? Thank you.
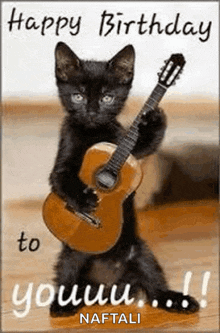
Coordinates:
(130, 139)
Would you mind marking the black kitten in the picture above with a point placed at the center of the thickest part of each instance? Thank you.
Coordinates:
(93, 94)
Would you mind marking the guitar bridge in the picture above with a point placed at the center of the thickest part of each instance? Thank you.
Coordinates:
(93, 221)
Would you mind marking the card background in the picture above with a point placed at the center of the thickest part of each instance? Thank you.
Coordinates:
(31, 120)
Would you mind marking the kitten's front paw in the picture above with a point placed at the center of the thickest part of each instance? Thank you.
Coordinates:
(153, 118)
(86, 202)
(151, 132)
(90, 200)
(176, 302)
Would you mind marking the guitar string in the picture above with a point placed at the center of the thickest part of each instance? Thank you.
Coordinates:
(129, 140)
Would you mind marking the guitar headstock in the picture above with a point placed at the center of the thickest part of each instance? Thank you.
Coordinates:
(172, 69)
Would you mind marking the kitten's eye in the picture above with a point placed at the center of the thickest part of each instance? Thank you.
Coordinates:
(107, 99)
(77, 98)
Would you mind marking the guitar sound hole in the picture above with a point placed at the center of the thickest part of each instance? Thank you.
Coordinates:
(106, 179)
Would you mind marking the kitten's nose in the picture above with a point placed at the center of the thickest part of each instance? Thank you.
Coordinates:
(91, 114)
(91, 111)
(92, 107)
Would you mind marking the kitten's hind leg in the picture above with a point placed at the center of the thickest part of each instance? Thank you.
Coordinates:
(152, 280)
(174, 302)
(69, 266)
(66, 308)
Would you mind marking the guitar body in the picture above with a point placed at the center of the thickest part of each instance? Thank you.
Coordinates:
(98, 231)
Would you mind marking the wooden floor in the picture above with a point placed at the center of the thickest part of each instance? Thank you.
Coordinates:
(183, 236)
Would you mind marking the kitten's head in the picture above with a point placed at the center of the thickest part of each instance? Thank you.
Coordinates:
(93, 92)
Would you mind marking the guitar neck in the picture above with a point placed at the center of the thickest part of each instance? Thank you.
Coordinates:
(130, 139)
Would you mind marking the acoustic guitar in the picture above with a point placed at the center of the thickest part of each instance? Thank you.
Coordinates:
(113, 173)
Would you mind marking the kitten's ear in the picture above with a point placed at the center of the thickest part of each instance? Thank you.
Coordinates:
(67, 63)
(123, 64)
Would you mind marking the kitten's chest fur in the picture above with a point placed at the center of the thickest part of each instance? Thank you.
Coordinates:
(106, 272)
(109, 269)
(88, 138)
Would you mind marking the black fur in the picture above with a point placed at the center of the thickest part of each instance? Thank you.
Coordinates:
(87, 122)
